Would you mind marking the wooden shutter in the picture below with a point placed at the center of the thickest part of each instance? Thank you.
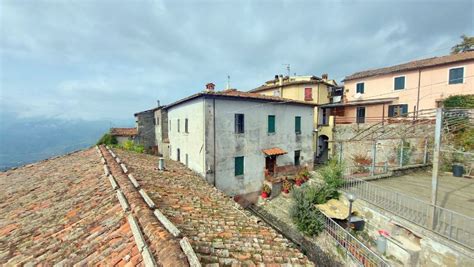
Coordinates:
(390, 111)
(271, 123)
(297, 124)
(308, 94)
(239, 166)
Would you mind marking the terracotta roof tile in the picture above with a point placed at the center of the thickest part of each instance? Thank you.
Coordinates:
(416, 64)
(63, 210)
(123, 131)
(240, 95)
(274, 151)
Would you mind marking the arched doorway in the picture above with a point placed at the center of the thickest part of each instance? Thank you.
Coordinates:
(322, 150)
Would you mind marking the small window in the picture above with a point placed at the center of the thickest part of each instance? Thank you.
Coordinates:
(308, 94)
(178, 155)
(399, 83)
(239, 166)
(178, 125)
(297, 158)
(271, 123)
(187, 160)
(398, 110)
(186, 125)
(239, 123)
(157, 121)
(360, 88)
(298, 125)
(456, 75)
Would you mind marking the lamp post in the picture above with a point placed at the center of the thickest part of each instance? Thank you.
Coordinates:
(351, 197)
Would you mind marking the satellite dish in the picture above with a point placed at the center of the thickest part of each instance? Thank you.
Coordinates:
(358, 96)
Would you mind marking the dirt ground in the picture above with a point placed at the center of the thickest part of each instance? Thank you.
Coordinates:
(454, 193)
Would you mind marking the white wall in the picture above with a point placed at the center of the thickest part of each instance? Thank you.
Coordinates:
(191, 143)
(255, 138)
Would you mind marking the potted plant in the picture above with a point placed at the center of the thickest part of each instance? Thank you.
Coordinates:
(298, 181)
(286, 186)
(304, 174)
(266, 190)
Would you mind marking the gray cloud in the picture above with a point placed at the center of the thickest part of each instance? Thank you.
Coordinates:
(104, 59)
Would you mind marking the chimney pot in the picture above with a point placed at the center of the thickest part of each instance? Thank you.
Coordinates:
(210, 86)
(324, 76)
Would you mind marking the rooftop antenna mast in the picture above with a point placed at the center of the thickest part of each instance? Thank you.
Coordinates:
(287, 68)
(228, 82)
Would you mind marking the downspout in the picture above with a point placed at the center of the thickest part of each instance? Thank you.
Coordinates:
(418, 95)
(214, 136)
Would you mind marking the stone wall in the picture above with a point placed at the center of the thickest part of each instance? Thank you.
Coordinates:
(388, 150)
(146, 130)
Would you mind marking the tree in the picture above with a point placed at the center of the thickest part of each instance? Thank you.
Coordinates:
(466, 44)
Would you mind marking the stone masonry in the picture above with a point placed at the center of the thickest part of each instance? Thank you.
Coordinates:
(220, 231)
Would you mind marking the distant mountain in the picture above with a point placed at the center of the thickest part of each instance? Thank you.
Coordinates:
(26, 140)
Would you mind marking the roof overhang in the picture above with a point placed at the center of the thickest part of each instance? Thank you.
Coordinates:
(275, 151)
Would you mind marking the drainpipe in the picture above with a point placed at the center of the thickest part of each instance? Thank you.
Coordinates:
(418, 95)
(214, 136)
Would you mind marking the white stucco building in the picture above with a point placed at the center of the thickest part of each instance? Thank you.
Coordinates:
(231, 137)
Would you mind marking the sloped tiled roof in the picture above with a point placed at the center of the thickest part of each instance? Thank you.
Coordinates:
(123, 131)
(63, 210)
(413, 65)
(240, 95)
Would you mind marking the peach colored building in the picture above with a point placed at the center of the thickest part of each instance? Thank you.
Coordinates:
(404, 89)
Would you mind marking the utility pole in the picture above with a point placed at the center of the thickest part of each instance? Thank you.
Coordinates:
(436, 150)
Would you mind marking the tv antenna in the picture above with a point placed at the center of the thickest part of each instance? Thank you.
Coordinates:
(287, 68)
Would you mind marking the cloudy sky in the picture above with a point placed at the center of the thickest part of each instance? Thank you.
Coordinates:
(109, 59)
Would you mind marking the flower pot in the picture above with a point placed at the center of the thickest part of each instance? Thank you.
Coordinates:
(298, 182)
(286, 191)
(264, 194)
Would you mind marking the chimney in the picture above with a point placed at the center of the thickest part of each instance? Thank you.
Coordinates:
(324, 76)
(158, 103)
(210, 87)
(280, 80)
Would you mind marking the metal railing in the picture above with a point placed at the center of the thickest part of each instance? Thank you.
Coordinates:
(354, 248)
(447, 223)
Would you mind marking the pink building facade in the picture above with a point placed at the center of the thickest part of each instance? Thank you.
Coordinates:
(404, 90)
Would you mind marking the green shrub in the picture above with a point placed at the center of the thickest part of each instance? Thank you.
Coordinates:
(107, 139)
(459, 101)
(333, 174)
(131, 146)
(307, 218)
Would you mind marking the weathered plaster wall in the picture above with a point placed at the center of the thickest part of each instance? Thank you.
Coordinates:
(191, 143)
(161, 132)
(255, 138)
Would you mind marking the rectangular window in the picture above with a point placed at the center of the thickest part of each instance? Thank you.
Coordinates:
(398, 110)
(239, 166)
(239, 123)
(297, 158)
(157, 121)
(187, 160)
(271, 123)
(178, 155)
(360, 114)
(298, 125)
(399, 83)
(186, 125)
(178, 126)
(456, 75)
(360, 88)
(308, 94)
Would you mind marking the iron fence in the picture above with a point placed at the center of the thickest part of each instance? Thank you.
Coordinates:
(450, 224)
(353, 247)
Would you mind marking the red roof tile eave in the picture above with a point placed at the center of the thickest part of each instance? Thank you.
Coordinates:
(413, 65)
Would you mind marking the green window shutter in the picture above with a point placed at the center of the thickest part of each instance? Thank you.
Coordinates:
(239, 166)
(399, 83)
(456, 75)
(271, 123)
(404, 109)
(297, 124)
